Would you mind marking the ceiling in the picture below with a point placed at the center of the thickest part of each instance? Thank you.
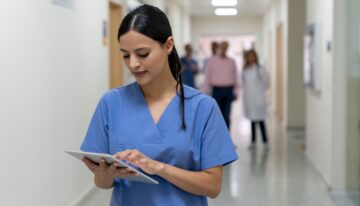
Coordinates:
(244, 7)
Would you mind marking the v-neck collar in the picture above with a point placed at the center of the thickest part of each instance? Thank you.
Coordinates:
(149, 132)
(147, 108)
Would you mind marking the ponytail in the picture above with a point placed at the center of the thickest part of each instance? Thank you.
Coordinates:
(176, 70)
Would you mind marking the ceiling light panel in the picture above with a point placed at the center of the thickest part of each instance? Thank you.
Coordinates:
(224, 2)
(226, 11)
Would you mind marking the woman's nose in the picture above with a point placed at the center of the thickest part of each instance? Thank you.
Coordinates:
(134, 62)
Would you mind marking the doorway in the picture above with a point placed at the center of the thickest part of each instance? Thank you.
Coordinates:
(115, 60)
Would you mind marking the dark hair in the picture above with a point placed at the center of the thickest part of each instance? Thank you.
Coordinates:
(214, 47)
(153, 23)
(246, 54)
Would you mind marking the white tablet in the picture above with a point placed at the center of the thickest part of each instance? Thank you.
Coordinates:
(96, 157)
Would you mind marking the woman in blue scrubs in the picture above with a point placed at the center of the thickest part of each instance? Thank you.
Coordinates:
(172, 132)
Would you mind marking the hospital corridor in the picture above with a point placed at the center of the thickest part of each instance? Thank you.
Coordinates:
(220, 102)
(279, 175)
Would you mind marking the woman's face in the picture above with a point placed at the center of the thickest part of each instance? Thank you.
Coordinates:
(251, 58)
(146, 59)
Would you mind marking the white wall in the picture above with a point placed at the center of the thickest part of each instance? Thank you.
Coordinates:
(332, 130)
(179, 18)
(180, 23)
(186, 28)
(319, 112)
(295, 84)
(226, 26)
(53, 70)
(353, 96)
(339, 98)
(277, 14)
(158, 3)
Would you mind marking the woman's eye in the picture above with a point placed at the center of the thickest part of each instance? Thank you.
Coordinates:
(143, 55)
(126, 56)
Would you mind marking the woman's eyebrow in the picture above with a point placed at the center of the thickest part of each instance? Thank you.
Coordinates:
(136, 50)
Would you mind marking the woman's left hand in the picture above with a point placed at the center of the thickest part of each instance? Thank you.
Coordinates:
(138, 159)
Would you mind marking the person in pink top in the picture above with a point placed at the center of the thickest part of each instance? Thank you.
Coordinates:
(221, 80)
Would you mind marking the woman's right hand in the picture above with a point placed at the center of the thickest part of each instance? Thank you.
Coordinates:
(105, 174)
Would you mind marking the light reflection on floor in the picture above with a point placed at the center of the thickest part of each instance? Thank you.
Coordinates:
(278, 176)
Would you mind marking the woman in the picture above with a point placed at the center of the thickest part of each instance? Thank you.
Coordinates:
(172, 132)
(255, 83)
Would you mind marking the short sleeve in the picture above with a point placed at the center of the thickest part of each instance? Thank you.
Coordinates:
(97, 136)
(217, 147)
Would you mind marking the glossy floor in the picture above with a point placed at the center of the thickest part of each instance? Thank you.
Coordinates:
(279, 175)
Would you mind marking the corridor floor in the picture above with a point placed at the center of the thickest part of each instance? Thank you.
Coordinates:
(279, 175)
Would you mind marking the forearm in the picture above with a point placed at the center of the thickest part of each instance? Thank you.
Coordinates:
(204, 183)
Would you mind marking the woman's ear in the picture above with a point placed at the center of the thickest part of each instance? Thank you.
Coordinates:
(169, 45)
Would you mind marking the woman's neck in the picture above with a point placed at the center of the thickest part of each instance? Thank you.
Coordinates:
(163, 86)
(251, 64)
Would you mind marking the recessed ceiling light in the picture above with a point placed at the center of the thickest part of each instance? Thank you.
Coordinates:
(224, 2)
(225, 11)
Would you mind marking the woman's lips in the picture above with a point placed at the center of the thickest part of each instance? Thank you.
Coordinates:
(139, 73)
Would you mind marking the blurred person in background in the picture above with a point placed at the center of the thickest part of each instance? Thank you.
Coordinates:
(190, 67)
(221, 80)
(255, 82)
(200, 78)
(214, 52)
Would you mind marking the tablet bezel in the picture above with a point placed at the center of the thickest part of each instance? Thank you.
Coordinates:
(95, 157)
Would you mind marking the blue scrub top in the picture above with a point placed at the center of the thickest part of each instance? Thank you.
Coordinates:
(122, 120)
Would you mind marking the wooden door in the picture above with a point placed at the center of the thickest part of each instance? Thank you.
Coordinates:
(116, 61)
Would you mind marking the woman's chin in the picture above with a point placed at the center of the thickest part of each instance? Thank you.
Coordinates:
(142, 81)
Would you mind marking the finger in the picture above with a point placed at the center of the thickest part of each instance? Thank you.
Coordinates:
(92, 166)
(114, 166)
(121, 172)
(143, 162)
(131, 171)
(123, 154)
(131, 174)
(113, 171)
(88, 162)
(102, 163)
(133, 157)
(126, 173)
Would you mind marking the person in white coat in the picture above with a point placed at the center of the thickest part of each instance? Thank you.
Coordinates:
(255, 82)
